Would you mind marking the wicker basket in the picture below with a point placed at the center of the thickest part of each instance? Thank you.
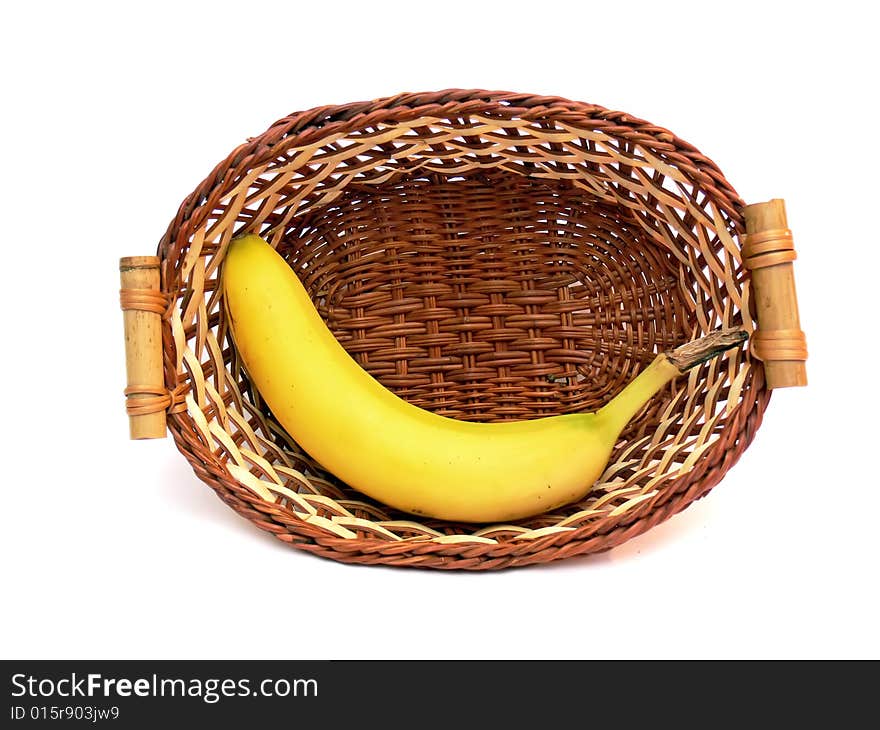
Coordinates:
(487, 256)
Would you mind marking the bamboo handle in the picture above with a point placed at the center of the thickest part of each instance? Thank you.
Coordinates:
(143, 304)
(768, 251)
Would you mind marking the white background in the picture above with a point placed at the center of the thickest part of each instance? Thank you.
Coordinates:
(115, 112)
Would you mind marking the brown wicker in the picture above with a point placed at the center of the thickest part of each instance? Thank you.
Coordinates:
(488, 256)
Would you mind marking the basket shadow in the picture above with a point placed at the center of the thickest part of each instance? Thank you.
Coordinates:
(186, 492)
(681, 526)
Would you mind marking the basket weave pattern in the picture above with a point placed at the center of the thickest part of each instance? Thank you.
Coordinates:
(487, 256)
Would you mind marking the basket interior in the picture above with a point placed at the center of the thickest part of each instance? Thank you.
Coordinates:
(484, 265)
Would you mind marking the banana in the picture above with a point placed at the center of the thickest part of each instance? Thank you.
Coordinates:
(396, 452)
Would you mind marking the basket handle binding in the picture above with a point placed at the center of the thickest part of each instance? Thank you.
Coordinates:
(768, 252)
(143, 304)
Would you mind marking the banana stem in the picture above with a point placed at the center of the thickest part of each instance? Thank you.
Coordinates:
(705, 348)
(665, 367)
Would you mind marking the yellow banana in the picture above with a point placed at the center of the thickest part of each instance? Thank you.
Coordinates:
(397, 453)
